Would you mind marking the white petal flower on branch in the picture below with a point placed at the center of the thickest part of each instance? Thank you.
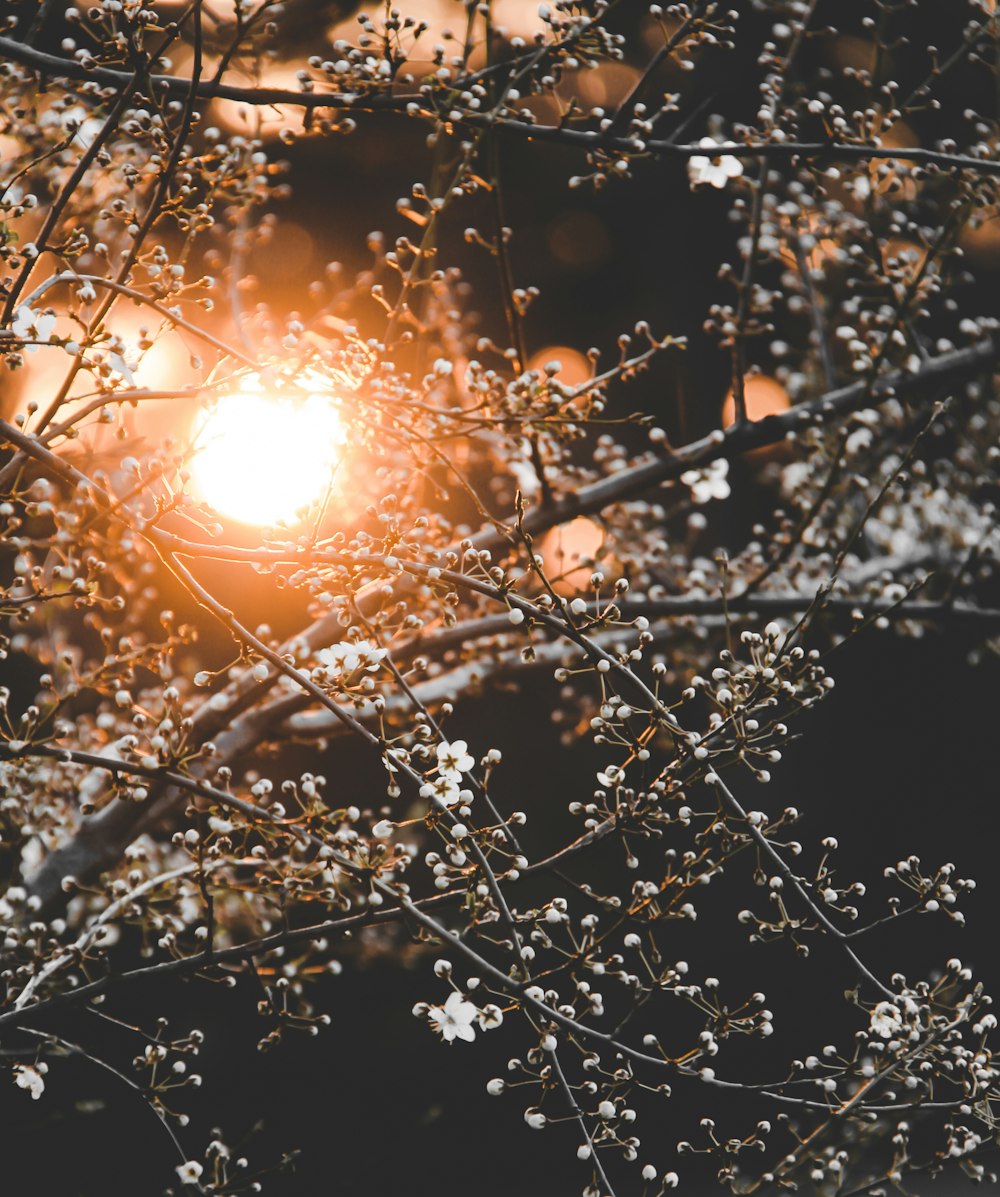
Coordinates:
(349, 656)
(117, 362)
(444, 790)
(29, 1076)
(454, 759)
(708, 483)
(455, 1019)
(189, 1172)
(714, 170)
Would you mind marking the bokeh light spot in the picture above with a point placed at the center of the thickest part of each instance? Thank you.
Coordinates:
(764, 397)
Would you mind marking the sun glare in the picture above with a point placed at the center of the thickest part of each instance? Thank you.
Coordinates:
(262, 459)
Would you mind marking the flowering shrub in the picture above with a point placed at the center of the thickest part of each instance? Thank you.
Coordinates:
(265, 566)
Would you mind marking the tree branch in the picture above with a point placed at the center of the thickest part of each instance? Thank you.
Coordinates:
(586, 139)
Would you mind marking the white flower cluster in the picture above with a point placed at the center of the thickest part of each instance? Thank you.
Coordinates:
(452, 761)
(885, 1020)
(342, 661)
(708, 483)
(889, 1019)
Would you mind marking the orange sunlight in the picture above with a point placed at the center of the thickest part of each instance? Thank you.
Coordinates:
(262, 459)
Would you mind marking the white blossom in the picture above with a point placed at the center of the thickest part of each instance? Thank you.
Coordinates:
(708, 483)
(32, 326)
(455, 1019)
(189, 1172)
(120, 366)
(29, 1076)
(714, 170)
(454, 759)
(348, 657)
(443, 790)
(611, 776)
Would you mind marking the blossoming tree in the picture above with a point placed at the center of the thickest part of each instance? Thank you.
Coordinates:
(266, 564)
